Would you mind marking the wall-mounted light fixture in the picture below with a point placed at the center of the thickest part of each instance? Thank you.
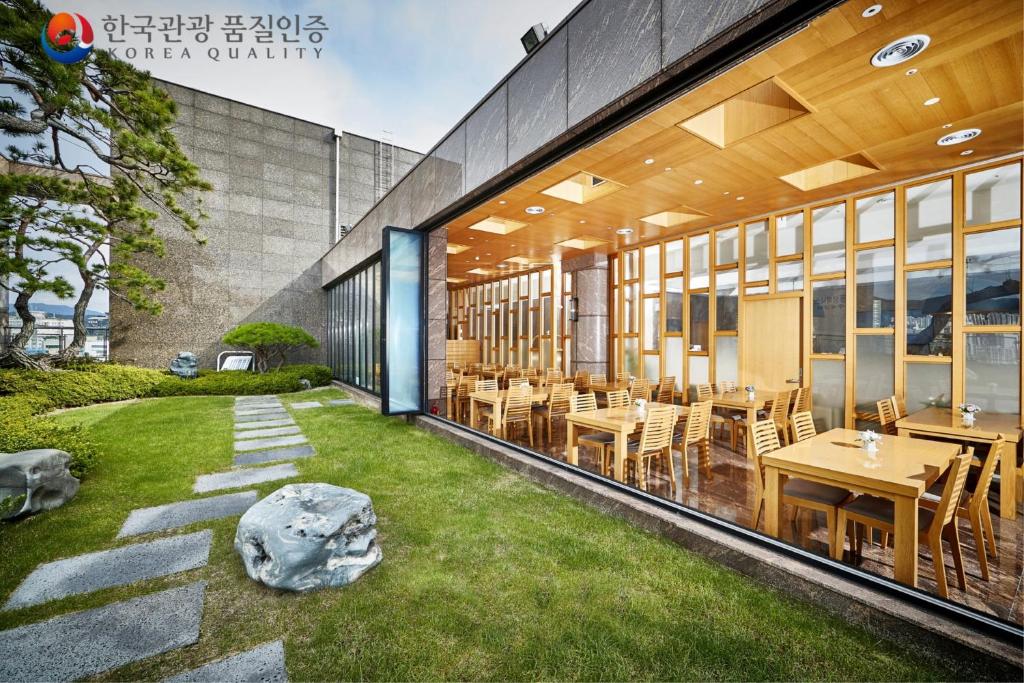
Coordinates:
(531, 39)
(574, 309)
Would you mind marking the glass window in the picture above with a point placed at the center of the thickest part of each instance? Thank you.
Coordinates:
(876, 217)
(930, 312)
(993, 195)
(545, 281)
(698, 373)
(699, 263)
(874, 370)
(828, 393)
(652, 269)
(993, 277)
(629, 265)
(993, 372)
(727, 300)
(404, 256)
(828, 316)
(651, 367)
(632, 358)
(546, 315)
(789, 276)
(930, 222)
(928, 384)
(674, 257)
(673, 360)
(726, 359)
(652, 323)
(632, 310)
(789, 234)
(727, 246)
(534, 286)
(756, 237)
(876, 294)
(513, 292)
(504, 289)
(674, 304)
(698, 322)
(828, 237)
(754, 291)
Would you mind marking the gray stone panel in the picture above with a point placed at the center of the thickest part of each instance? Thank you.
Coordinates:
(108, 568)
(267, 431)
(243, 477)
(687, 24)
(537, 97)
(263, 664)
(614, 45)
(239, 412)
(276, 417)
(173, 515)
(302, 405)
(342, 402)
(487, 139)
(257, 457)
(82, 644)
(272, 442)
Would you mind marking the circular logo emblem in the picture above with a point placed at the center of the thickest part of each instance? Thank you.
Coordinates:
(67, 38)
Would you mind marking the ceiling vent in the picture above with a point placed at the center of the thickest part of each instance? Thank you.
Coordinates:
(899, 51)
(958, 137)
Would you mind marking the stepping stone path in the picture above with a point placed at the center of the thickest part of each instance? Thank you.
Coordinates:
(342, 402)
(89, 642)
(262, 663)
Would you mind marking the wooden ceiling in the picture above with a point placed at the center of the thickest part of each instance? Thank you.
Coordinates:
(973, 64)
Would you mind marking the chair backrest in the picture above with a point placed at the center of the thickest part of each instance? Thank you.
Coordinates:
(780, 408)
(553, 375)
(467, 386)
(583, 402)
(598, 381)
(560, 402)
(899, 405)
(621, 377)
(449, 379)
(641, 388)
(487, 385)
(698, 424)
(763, 438)
(727, 386)
(618, 399)
(979, 497)
(666, 389)
(798, 397)
(518, 407)
(704, 392)
(530, 372)
(658, 426)
(516, 387)
(581, 379)
(802, 426)
(802, 404)
(951, 492)
(887, 415)
(513, 373)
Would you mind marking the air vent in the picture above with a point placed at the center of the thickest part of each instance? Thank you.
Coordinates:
(902, 50)
(958, 137)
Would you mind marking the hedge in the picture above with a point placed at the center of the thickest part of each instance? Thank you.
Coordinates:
(25, 395)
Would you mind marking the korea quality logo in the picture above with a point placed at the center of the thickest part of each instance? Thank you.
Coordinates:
(67, 38)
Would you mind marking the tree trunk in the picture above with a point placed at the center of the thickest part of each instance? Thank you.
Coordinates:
(70, 351)
(16, 356)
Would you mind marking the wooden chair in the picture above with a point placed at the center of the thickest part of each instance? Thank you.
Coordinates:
(666, 390)
(887, 416)
(511, 375)
(934, 524)
(802, 425)
(552, 376)
(584, 402)
(532, 376)
(448, 389)
(641, 388)
(779, 414)
(705, 392)
(899, 405)
(697, 432)
(581, 380)
(598, 381)
(621, 377)
(618, 399)
(487, 385)
(517, 410)
(727, 386)
(655, 442)
(466, 387)
(802, 402)
(798, 493)
(559, 403)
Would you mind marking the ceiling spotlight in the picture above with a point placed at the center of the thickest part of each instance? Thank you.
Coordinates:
(958, 137)
(698, 181)
(740, 198)
(871, 11)
(476, 258)
(931, 100)
(947, 125)
(502, 265)
(624, 231)
(502, 201)
(900, 50)
(582, 221)
(535, 210)
(967, 152)
(472, 238)
(668, 168)
(911, 72)
(726, 192)
(648, 161)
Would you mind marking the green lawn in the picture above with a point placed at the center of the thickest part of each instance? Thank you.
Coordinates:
(485, 574)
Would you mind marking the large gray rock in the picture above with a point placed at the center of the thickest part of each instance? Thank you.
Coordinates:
(35, 480)
(308, 536)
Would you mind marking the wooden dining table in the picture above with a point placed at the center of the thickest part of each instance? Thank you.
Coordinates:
(618, 421)
(610, 386)
(946, 423)
(496, 399)
(738, 400)
(901, 470)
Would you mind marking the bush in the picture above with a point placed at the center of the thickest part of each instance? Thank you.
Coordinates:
(269, 340)
(22, 429)
(238, 382)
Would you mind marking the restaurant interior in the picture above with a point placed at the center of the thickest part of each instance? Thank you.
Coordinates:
(779, 298)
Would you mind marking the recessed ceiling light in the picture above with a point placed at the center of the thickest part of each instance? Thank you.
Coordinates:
(931, 100)
(502, 201)
(967, 152)
(534, 210)
(900, 50)
(911, 72)
(624, 231)
(487, 254)
(958, 137)
(502, 265)
(698, 181)
(726, 192)
(472, 238)
(476, 258)
(582, 221)
(648, 161)
(668, 168)
(947, 125)
(871, 11)
(740, 198)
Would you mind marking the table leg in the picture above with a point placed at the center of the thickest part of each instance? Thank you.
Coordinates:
(572, 448)
(1008, 482)
(751, 419)
(472, 412)
(905, 541)
(773, 483)
(620, 455)
(499, 426)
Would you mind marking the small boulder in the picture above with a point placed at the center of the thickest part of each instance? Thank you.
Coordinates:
(35, 480)
(303, 537)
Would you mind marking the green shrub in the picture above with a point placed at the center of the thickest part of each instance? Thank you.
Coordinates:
(240, 383)
(22, 429)
(269, 341)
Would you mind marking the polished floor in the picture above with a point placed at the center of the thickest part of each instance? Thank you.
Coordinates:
(728, 493)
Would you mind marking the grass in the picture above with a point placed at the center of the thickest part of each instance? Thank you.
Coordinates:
(485, 575)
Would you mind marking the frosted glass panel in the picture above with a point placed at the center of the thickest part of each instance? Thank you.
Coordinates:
(876, 217)
(876, 296)
(828, 393)
(699, 263)
(698, 373)
(756, 236)
(698, 322)
(828, 316)
(632, 356)
(930, 312)
(828, 235)
(726, 364)
(789, 276)
(928, 384)
(874, 372)
(993, 277)
(402, 268)
(993, 195)
(993, 372)
(727, 299)
(674, 304)
(673, 360)
(652, 269)
(789, 234)
(674, 257)
(727, 246)
(651, 368)
(631, 309)
(930, 222)
(652, 324)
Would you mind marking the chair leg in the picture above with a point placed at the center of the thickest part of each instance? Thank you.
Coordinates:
(838, 540)
(671, 470)
(986, 520)
(830, 520)
(952, 534)
(529, 429)
(979, 541)
(940, 568)
(858, 539)
(684, 462)
(758, 504)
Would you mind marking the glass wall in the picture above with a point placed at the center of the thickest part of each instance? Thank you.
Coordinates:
(354, 329)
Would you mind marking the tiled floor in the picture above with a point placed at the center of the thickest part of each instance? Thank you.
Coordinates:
(729, 494)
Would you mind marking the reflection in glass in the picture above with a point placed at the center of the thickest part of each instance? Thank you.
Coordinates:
(756, 237)
(726, 359)
(652, 269)
(928, 384)
(698, 322)
(674, 304)
(876, 217)
(993, 372)
(727, 300)
(698, 373)
(828, 238)
(874, 376)
(930, 312)
(828, 316)
(673, 360)
(993, 195)
(403, 260)
(828, 393)
(674, 257)
(876, 294)
(754, 291)
(632, 356)
(993, 277)
(652, 323)
(789, 276)
(930, 222)
(699, 262)
(545, 282)
(789, 234)
(727, 246)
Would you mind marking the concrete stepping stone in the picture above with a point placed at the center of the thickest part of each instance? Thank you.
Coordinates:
(262, 663)
(264, 424)
(259, 406)
(85, 643)
(267, 431)
(263, 417)
(239, 478)
(258, 411)
(116, 567)
(271, 442)
(257, 399)
(174, 515)
(343, 402)
(257, 457)
(302, 405)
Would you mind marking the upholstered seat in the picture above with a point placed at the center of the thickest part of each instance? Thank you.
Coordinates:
(884, 510)
(814, 492)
